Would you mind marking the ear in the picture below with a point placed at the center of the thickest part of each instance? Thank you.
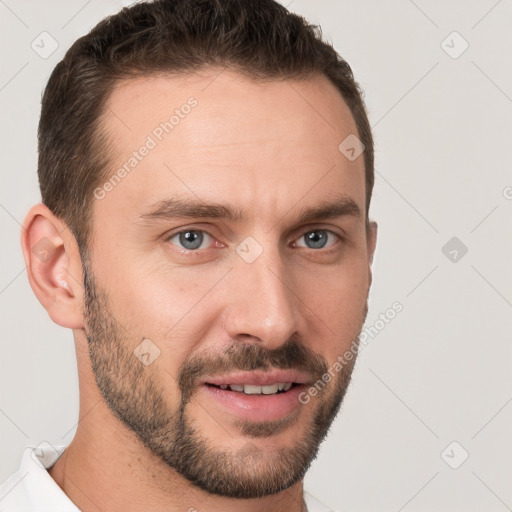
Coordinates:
(54, 267)
(371, 242)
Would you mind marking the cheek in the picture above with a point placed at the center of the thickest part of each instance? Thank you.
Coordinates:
(171, 309)
(155, 300)
(340, 301)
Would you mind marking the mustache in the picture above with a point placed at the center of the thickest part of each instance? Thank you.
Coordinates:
(292, 355)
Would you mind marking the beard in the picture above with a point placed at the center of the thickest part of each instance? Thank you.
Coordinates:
(136, 398)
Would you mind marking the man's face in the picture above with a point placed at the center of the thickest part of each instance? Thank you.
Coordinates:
(182, 305)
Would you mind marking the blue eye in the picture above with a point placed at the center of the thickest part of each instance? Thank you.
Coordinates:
(190, 239)
(316, 239)
(194, 239)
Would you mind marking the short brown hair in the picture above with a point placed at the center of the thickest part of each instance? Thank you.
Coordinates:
(259, 38)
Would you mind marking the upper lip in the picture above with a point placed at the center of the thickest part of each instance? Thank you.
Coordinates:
(259, 378)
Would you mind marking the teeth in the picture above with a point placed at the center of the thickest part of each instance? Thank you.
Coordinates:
(252, 390)
(270, 390)
(249, 389)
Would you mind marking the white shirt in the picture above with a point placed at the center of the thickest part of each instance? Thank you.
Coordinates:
(32, 489)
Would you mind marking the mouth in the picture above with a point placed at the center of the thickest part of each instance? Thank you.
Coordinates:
(250, 389)
(256, 396)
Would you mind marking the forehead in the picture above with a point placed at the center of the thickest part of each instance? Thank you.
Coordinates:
(230, 105)
(219, 134)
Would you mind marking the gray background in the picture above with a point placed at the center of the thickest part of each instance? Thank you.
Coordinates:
(440, 371)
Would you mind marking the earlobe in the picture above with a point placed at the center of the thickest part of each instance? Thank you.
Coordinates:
(53, 266)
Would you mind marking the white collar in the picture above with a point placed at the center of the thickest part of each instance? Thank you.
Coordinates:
(31, 488)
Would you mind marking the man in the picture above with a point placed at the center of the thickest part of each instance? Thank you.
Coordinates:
(206, 169)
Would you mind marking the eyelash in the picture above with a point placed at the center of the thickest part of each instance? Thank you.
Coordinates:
(187, 251)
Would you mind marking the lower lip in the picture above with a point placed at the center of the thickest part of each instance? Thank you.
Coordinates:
(256, 407)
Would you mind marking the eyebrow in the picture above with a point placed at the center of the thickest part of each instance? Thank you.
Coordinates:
(181, 208)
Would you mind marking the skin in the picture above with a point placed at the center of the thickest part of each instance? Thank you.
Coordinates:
(264, 150)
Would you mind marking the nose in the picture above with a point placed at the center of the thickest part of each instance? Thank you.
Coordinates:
(262, 306)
